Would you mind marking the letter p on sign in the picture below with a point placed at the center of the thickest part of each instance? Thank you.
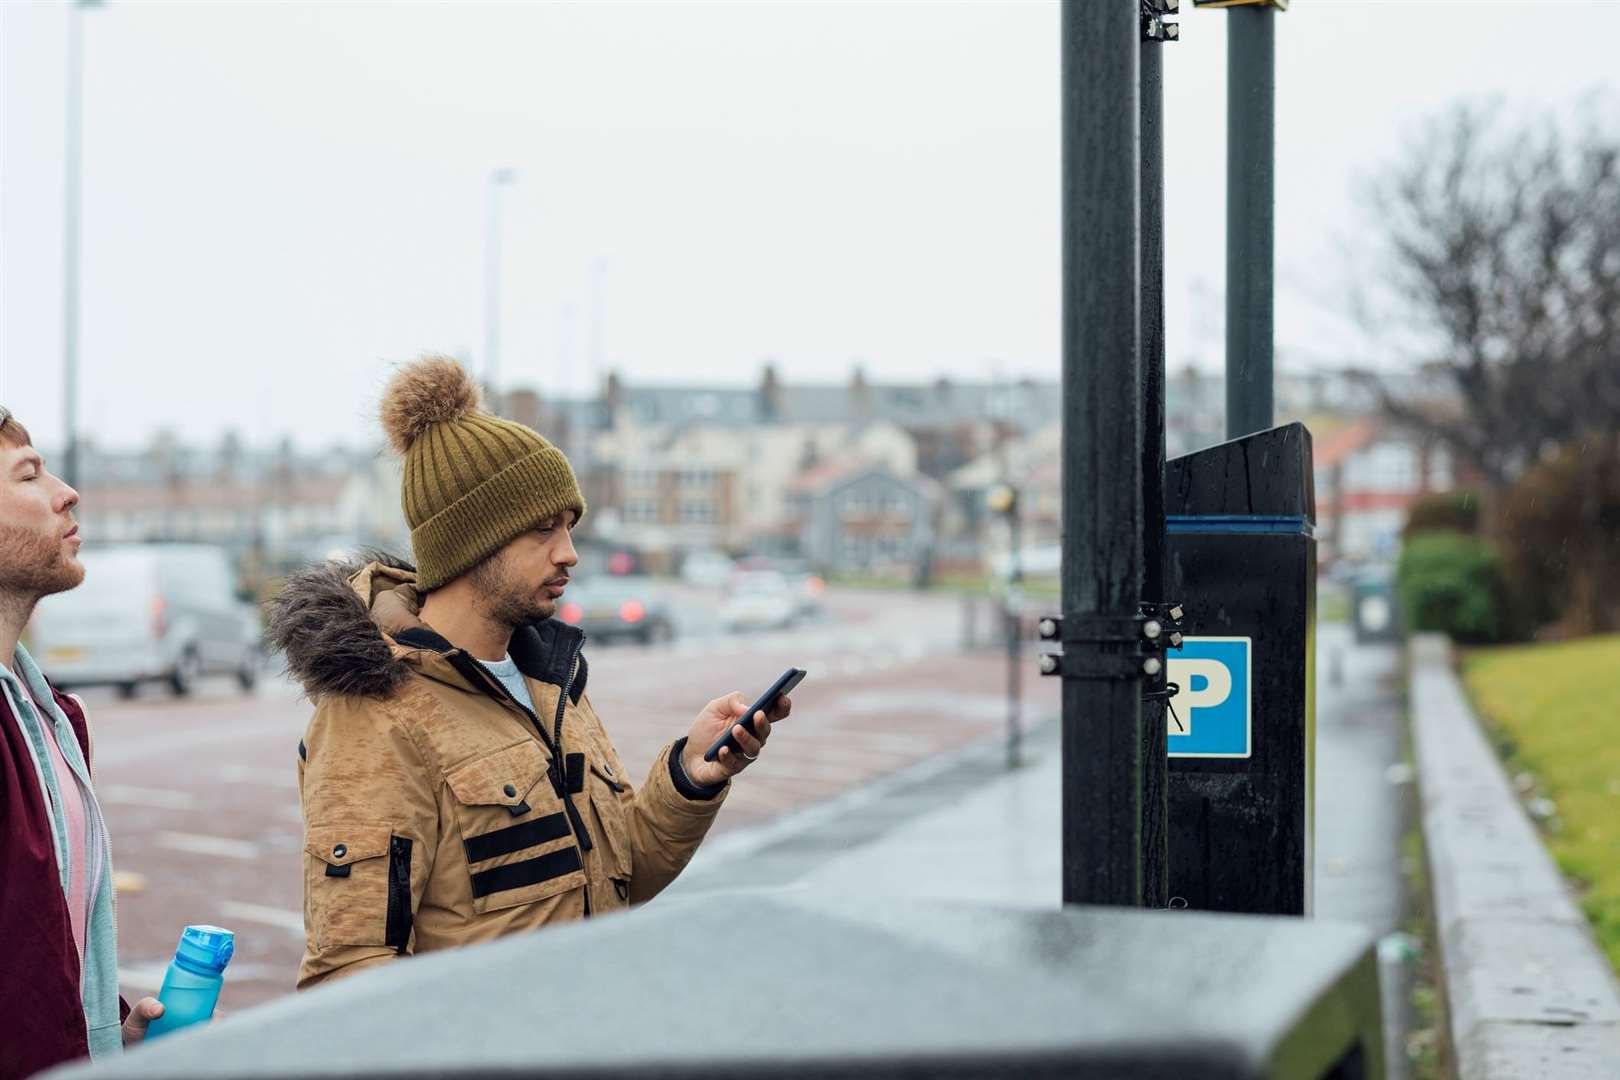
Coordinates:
(1213, 705)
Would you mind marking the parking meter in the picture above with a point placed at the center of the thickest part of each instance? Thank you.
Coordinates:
(1241, 727)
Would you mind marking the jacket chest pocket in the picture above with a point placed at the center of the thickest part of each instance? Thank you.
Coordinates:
(514, 831)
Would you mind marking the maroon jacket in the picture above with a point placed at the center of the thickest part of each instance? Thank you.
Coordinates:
(39, 964)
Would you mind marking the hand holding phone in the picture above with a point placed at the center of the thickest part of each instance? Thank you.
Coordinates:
(767, 701)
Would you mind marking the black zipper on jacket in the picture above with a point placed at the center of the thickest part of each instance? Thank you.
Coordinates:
(398, 933)
(574, 819)
(559, 781)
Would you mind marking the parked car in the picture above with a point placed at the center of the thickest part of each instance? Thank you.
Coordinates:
(617, 607)
(710, 569)
(148, 612)
(807, 586)
(759, 600)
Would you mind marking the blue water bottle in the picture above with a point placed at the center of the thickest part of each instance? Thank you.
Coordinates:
(191, 985)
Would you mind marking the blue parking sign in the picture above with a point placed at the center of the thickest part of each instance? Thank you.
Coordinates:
(1212, 715)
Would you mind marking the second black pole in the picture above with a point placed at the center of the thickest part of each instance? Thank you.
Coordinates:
(1250, 197)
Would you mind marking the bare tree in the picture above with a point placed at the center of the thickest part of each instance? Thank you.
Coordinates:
(1500, 270)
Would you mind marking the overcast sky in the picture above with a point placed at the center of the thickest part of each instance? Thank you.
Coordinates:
(281, 199)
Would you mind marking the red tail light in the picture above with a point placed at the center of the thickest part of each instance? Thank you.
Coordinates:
(632, 611)
(572, 613)
(160, 622)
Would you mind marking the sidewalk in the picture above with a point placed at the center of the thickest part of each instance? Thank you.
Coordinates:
(964, 827)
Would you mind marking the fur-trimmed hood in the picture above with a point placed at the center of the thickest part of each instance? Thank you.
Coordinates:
(325, 630)
(338, 626)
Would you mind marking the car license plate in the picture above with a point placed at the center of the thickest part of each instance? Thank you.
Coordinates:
(64, 654)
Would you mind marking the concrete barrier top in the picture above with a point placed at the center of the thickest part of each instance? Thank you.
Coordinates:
(1528, 992)
(793, 984)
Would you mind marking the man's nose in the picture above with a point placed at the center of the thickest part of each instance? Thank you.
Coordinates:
(67, 499)
(566, 555)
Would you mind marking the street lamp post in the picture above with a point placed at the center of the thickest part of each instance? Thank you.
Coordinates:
(498, 179)
(70, 239)
(1003, 500)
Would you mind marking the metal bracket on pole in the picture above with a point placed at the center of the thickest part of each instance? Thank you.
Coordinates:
(1099, 647)
(1154, 25)
(1112, 646)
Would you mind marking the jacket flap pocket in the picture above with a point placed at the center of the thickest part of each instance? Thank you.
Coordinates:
(503, 778)
(340, 845)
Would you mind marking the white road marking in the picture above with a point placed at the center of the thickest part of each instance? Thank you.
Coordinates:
(199, 844)
(130, 795)
(291, 921)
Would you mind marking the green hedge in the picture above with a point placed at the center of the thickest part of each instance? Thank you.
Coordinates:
(1446, 511)
(1452, 583)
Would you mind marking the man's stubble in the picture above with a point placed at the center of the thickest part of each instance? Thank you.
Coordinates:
(508, 598)
(34, 567)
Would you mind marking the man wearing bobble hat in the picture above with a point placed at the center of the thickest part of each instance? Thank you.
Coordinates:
(456, 783)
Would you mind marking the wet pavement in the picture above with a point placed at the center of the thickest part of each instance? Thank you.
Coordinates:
(967, 828)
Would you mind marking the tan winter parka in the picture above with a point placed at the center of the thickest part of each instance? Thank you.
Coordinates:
(437, 810)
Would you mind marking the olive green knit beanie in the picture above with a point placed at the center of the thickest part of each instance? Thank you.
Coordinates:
(473, 482)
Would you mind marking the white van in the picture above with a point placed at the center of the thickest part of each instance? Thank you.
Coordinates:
(145, 612)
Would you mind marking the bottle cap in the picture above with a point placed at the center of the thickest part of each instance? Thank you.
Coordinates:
(206, 947)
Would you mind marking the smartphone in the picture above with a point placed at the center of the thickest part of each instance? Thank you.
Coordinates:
(767, 701)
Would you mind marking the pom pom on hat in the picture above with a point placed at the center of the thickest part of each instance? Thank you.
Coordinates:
(470, 481)
(432, 390)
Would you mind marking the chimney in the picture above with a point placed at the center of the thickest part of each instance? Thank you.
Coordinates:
(770, 394)
(525, 407)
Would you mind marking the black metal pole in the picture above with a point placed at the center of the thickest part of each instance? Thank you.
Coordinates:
(1155, 765)
(1250, 195)
(1102, 443)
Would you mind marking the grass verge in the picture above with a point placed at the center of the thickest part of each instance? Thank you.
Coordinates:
(1553, 711)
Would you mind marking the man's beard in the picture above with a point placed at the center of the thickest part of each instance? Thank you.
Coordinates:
(34, 566)
(509, 599)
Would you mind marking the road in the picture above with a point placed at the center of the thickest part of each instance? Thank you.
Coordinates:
(201, 793)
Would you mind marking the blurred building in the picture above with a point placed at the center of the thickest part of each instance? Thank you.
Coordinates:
(945, 417)
(674, 469)
(974, 536)
(856, 476)
(863, 518)
(273, 507)
(1368, 472)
